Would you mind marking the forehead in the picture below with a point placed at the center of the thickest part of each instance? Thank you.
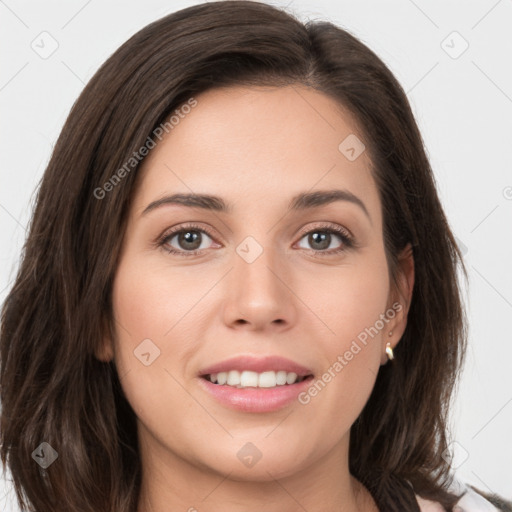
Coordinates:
(263, 143)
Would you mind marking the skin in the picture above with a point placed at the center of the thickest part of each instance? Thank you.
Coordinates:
(256, 148)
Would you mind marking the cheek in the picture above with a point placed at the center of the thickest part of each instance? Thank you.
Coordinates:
(356, 298)
(148, 309)
(150, 300)
(355, 309)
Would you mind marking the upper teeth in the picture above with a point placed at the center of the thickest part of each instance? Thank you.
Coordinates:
(253, 379)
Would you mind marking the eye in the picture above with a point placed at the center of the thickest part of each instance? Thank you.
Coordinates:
(191, 240)
(186, 241)
(321, 238)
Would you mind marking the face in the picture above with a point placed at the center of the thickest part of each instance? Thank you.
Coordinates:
(267, 289)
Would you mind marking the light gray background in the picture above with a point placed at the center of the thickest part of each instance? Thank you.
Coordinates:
(463, 106)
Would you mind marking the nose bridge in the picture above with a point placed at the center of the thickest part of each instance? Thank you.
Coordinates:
(253, 265)
(258, 293)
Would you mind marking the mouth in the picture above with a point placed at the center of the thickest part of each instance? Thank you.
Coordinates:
(249, 379)
(255, 384)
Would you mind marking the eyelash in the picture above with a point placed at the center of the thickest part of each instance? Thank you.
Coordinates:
(346, 238)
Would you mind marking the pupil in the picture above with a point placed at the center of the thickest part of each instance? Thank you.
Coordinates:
(190, 237)
(323, 238)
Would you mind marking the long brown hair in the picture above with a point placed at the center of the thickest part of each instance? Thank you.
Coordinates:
(53, 388)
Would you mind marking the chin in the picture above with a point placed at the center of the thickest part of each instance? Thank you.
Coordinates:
(249, 463)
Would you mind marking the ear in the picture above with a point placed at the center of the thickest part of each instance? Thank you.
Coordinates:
(399, 300)
(105, 349)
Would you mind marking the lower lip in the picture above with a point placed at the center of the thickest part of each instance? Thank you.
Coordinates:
(255, 399)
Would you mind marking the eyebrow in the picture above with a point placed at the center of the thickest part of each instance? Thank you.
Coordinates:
(302, 201)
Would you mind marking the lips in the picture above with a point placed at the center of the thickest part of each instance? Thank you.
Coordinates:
(256, 364)
(269, 395)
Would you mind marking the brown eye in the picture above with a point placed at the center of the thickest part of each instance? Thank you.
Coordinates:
(187, 240)
(320, 240)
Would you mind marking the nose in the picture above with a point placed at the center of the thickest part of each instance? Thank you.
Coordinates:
(260, 295)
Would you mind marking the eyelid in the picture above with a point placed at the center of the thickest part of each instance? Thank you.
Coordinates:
(192, 226)
(347, 238)
(344, 233)
(326, 225)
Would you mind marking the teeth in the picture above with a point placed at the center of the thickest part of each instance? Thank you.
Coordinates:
(267, 380)
(247, 378)
(281, 378)
(291, 378)
(233, 378)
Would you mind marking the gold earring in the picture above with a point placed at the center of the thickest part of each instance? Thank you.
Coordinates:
(389, 351)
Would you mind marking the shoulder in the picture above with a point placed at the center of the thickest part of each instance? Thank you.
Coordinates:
(470, 501)
(429, 506)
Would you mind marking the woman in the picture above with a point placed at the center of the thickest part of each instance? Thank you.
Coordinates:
(261, 366)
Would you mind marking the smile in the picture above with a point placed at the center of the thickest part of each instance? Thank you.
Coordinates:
(247, 378)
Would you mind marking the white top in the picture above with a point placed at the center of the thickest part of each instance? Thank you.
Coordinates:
(470, 502)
